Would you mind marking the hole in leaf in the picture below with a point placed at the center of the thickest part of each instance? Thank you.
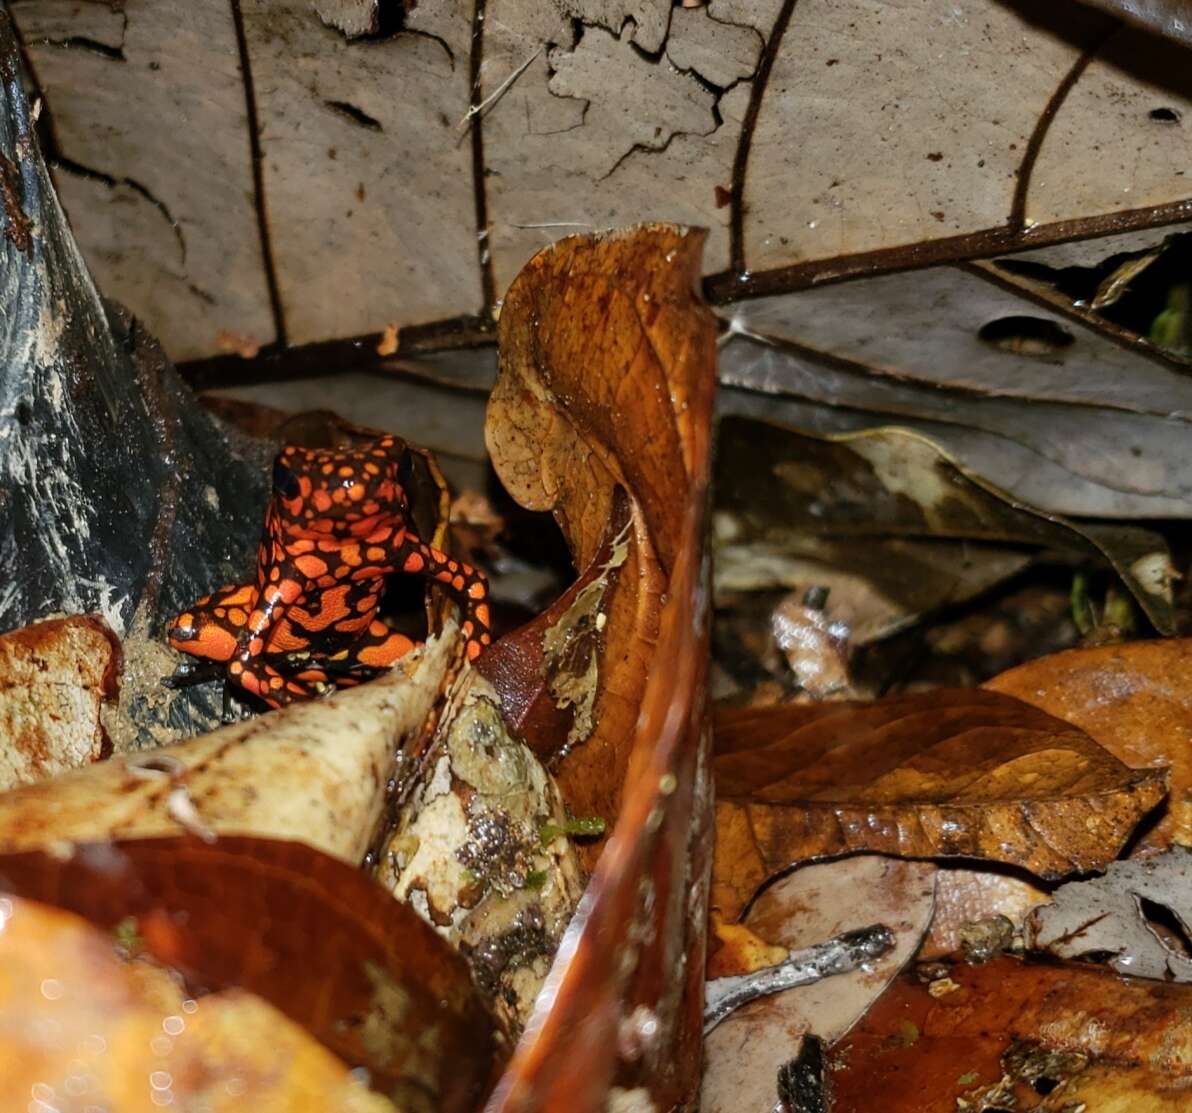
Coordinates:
(356, 115)
(1026, 336)
(1166, 925)
(1044, 1085)
(24, 413)
(1164, 115)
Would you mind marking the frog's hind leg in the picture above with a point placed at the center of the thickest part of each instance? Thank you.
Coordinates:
(377, 649)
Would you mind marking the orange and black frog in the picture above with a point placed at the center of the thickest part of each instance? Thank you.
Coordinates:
(336, 526)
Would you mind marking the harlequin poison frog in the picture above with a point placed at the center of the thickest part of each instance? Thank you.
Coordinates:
(335, 527)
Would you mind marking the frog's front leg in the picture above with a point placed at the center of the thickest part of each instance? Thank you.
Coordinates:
(249, 667)
(469, 586)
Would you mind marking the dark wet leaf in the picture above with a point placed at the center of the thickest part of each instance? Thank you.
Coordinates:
(1054, 1037)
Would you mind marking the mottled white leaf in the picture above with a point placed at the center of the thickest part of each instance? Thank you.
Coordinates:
(1122, 915)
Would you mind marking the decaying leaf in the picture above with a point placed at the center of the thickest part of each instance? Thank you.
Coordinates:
(1139, 914)
(1134, 700)
(946, 773)
(606, 382)
(312, 936)
(784, 490)
(472, 851)
(744, 1053)
(126, 1037)
(1020, 1037)
(316, 772)
(54, 678)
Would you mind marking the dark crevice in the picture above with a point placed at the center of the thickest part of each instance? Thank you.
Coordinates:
(357, 115)
(1025, 335)
(646, 148)
(745, 142)
(392, 21)
(1167, 926)
(81, 42)
(1127, 321)
(258, 178)
(58, 161)
(488, 282)
(1017, 220)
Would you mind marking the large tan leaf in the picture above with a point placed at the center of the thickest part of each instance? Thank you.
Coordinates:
(910, 146)
(940, 774)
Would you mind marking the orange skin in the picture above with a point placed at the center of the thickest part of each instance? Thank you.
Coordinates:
(334, 529)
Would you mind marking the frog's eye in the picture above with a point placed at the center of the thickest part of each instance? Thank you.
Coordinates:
(285, 482)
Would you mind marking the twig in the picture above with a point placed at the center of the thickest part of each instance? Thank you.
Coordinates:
(497, 93)
(812, 964)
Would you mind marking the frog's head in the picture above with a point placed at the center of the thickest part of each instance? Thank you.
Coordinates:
(338, 492)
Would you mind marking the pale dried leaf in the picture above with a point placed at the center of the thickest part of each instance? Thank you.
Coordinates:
(1107, 916)
(161, 203)
(315, 772)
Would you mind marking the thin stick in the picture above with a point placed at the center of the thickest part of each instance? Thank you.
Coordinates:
(497, 93)
(812, 964)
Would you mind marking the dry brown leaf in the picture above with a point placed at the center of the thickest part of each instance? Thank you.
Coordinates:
(125, 1037)
(1134, 701)
(743, 1053)
(315, 772)
(922, 1053)
(54, 677)
(940, 774)
(608, 373)
(602, 351)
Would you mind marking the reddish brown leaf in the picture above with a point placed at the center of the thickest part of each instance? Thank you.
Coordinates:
(608, 371)
(940, 774)
(1136, 701)
(923, 1052)
(82, 1029)
(311, 935)
(53, 678)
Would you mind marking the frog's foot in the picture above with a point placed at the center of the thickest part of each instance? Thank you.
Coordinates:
(264, 681)
(189, 673)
